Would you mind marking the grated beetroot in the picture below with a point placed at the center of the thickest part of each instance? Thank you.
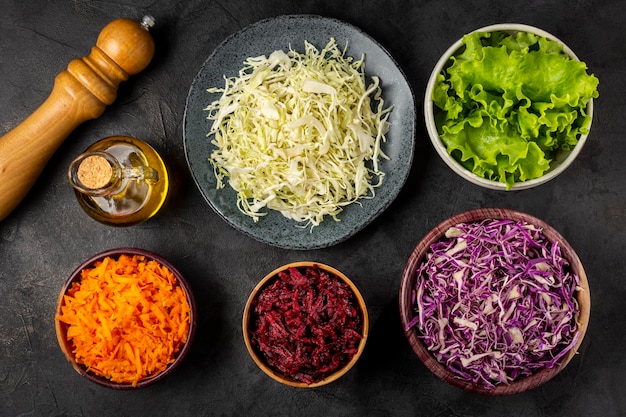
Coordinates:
(306, 324)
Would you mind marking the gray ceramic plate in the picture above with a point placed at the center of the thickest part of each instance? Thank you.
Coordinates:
(262, 38)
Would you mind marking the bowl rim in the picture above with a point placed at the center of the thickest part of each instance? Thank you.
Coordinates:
(452, 163)
(61, 329)
(277, 376)
(405, 305)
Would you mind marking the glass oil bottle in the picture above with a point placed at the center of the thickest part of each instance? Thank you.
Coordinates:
(120, 181)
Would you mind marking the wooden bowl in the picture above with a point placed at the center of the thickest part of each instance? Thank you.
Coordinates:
(407, 312)
(257, 356)
(66, 345)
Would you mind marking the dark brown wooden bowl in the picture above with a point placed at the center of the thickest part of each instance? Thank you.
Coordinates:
(61, 328)
(406, 305)
(258, 359)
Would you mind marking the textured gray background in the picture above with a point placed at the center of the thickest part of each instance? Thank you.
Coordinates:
(49, 235)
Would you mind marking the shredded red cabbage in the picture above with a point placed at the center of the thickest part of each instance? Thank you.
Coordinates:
(306, 324)
(495, 300)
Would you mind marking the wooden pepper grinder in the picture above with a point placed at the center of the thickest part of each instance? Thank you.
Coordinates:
(80, 93)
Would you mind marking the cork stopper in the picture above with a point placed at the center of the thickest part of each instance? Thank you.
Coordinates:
(94, 172)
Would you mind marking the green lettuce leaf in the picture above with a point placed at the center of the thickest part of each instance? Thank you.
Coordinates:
(508, 103)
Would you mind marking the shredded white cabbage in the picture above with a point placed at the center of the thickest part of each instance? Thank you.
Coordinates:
(296, 132)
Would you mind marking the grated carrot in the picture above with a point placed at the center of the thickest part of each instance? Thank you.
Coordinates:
(126, 319)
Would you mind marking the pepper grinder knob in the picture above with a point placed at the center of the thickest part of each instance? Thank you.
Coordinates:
(128, 43)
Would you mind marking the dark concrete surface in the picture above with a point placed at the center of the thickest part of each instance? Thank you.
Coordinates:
(48, 235)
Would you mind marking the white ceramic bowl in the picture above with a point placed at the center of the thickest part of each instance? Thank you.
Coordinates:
(557, 166)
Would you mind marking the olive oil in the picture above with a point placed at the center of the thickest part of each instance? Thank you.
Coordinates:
(131, 192)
